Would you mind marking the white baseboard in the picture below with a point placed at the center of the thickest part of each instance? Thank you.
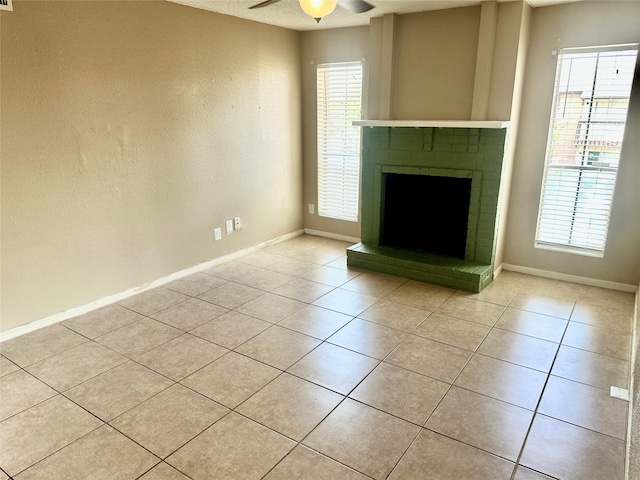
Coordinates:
(74, 312)
(333, 236)
(594, 282)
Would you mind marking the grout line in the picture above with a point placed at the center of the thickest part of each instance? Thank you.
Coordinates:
(544, 387)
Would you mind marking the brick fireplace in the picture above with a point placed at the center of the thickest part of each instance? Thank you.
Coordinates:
(430, 200)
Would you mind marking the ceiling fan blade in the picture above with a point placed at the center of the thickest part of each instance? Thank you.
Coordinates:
(266, 3)
(356, 6)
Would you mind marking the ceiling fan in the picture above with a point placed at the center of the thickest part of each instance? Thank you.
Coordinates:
(321, 8)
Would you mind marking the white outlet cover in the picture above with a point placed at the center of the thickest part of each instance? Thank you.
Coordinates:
(229, 226)
(312, 208)
(237, 223)
(217, 234)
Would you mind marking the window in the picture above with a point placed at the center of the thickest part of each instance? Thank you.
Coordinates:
(339, 104)
(590, 104)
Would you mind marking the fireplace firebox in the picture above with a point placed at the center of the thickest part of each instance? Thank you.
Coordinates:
(431, 200)
(425, 213)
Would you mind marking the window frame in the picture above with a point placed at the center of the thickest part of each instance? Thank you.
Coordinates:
(338, 171)
(588, 216)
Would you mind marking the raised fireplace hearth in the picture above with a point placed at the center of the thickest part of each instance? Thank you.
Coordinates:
(430, 200)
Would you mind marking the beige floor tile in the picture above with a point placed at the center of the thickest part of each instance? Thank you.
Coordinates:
(544, 304)
(563, 451)
(585, 406)
(305, 464)
(231, 295)
(503, 381)
(168, 420)
(523, 473)
(35, 346)
(523, 350)
(36, 433)
(494, 293)
(270, 308)
(293, 266)
(104, 453)
(612, 343)
(507, 278)
(320, 255)
(395, 315)
(432, 287)
(153, 301)
(102, 320)
(343, 264)
(137, 338)
(290, 406)
(190, 314)
(231, 379)
(20, 391)
(366, 439)
(605, 296)
(162, 471)
(231, 271)
(532, 324)
(278, 347)
(7, 366)
(374, 284)
(344, 301)
(76, 365)
(303, 290)
(118, 390)
(266, 280)
(434, 359)
(554, 288)
(452, 331)
(195, 284)
(334, 367)
(612, 317)
(590, 368)
(471, 310)
(181, 356)
(418, 296)
(447, 459)
(315, 321)
(405, 394)
(491, 425)
(231, 329)
(368, 338)
(331, 275)
(260, 259)
(233, 448)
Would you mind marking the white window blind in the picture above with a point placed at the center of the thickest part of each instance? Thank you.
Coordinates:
(590, 104)
(339, 95)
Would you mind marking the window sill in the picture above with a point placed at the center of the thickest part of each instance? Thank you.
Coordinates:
(571, 250)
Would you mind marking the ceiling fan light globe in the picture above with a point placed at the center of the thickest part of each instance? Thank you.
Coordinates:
(318, 8)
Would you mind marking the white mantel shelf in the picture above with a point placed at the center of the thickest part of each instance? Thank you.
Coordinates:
(433, 123)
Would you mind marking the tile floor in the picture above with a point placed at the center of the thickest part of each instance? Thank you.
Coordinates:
(286, 364)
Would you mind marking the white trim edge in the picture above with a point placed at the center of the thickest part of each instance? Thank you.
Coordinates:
(333, 236)
(74, 312)
(594, 282)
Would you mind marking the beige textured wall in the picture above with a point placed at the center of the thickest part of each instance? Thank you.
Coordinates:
(129, 130)
(512, 42)
(435, 64)
(325, 46)
(573, 25)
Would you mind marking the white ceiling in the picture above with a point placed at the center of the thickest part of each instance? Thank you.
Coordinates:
(287, 13)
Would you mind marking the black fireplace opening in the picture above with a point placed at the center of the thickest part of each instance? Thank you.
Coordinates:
(425, 213)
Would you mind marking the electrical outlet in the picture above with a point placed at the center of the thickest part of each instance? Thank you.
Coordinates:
(237, 223)
(217, 234)
(229, 226)
(312, 208)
